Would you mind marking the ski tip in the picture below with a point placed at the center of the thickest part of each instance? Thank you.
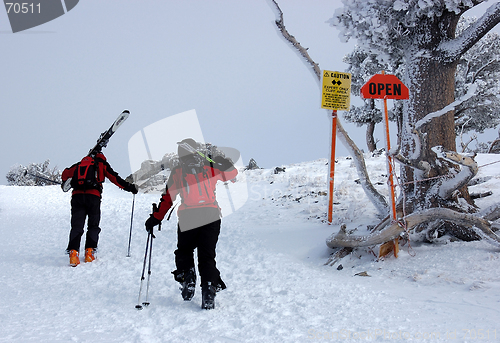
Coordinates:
(126, 111)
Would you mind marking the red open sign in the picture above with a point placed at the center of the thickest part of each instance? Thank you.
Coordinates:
(384, 86)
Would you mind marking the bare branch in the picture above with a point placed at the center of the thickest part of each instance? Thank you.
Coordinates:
(280, 23)
(491, 213)
(482, 227)
(494, 147)
(344, 240)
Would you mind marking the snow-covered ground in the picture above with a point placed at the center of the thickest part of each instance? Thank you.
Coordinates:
(272, 256)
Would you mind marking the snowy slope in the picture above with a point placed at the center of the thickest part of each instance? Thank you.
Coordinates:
(271, 254)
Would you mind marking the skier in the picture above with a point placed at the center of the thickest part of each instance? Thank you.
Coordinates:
(87, 177)
(194, 179)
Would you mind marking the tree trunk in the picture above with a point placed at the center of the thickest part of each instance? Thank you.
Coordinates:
(427, 97)
(370, 140)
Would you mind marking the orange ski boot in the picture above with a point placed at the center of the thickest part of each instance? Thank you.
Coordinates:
(74, 260)
(89, 255)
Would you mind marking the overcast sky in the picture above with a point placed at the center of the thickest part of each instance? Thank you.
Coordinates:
(64, 82)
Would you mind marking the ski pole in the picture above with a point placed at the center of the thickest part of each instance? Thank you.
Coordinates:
(146, 303)
(66, 186)
(131, 220)
(36, 176)
(228, 192)
(139, 306)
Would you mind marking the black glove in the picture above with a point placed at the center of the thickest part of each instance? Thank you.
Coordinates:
(151, 223)
(131, 188)
(223, 163)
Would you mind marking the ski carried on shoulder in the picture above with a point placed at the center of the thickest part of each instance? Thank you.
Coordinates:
(102, 142)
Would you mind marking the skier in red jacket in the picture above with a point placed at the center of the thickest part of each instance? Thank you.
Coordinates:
(195, 179)
(87, 177)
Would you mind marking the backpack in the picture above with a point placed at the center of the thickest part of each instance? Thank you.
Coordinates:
(197, 190)
(86, 175)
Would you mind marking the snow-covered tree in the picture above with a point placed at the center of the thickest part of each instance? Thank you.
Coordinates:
(35, 174)
(422, 35)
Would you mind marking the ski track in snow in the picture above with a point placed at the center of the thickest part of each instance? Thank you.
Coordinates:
(271, 254)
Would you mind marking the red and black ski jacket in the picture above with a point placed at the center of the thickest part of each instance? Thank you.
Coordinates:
(104, 170)
(196, 189)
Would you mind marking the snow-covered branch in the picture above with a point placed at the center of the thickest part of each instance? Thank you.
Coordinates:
(452, 50)
(491, 213)
(449, 185)
(484, 67)
(480, 225)
(415, 160)
(470, 93)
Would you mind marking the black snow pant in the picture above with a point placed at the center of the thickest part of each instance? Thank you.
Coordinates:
(203, 238)
(83, 206)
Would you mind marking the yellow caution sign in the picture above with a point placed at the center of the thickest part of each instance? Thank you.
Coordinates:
(336, 90)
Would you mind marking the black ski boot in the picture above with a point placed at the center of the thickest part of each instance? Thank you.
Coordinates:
(208, 296)
(188, 285)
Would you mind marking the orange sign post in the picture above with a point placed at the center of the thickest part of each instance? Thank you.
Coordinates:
(385, 86)
(335, 95)
(332, 166)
